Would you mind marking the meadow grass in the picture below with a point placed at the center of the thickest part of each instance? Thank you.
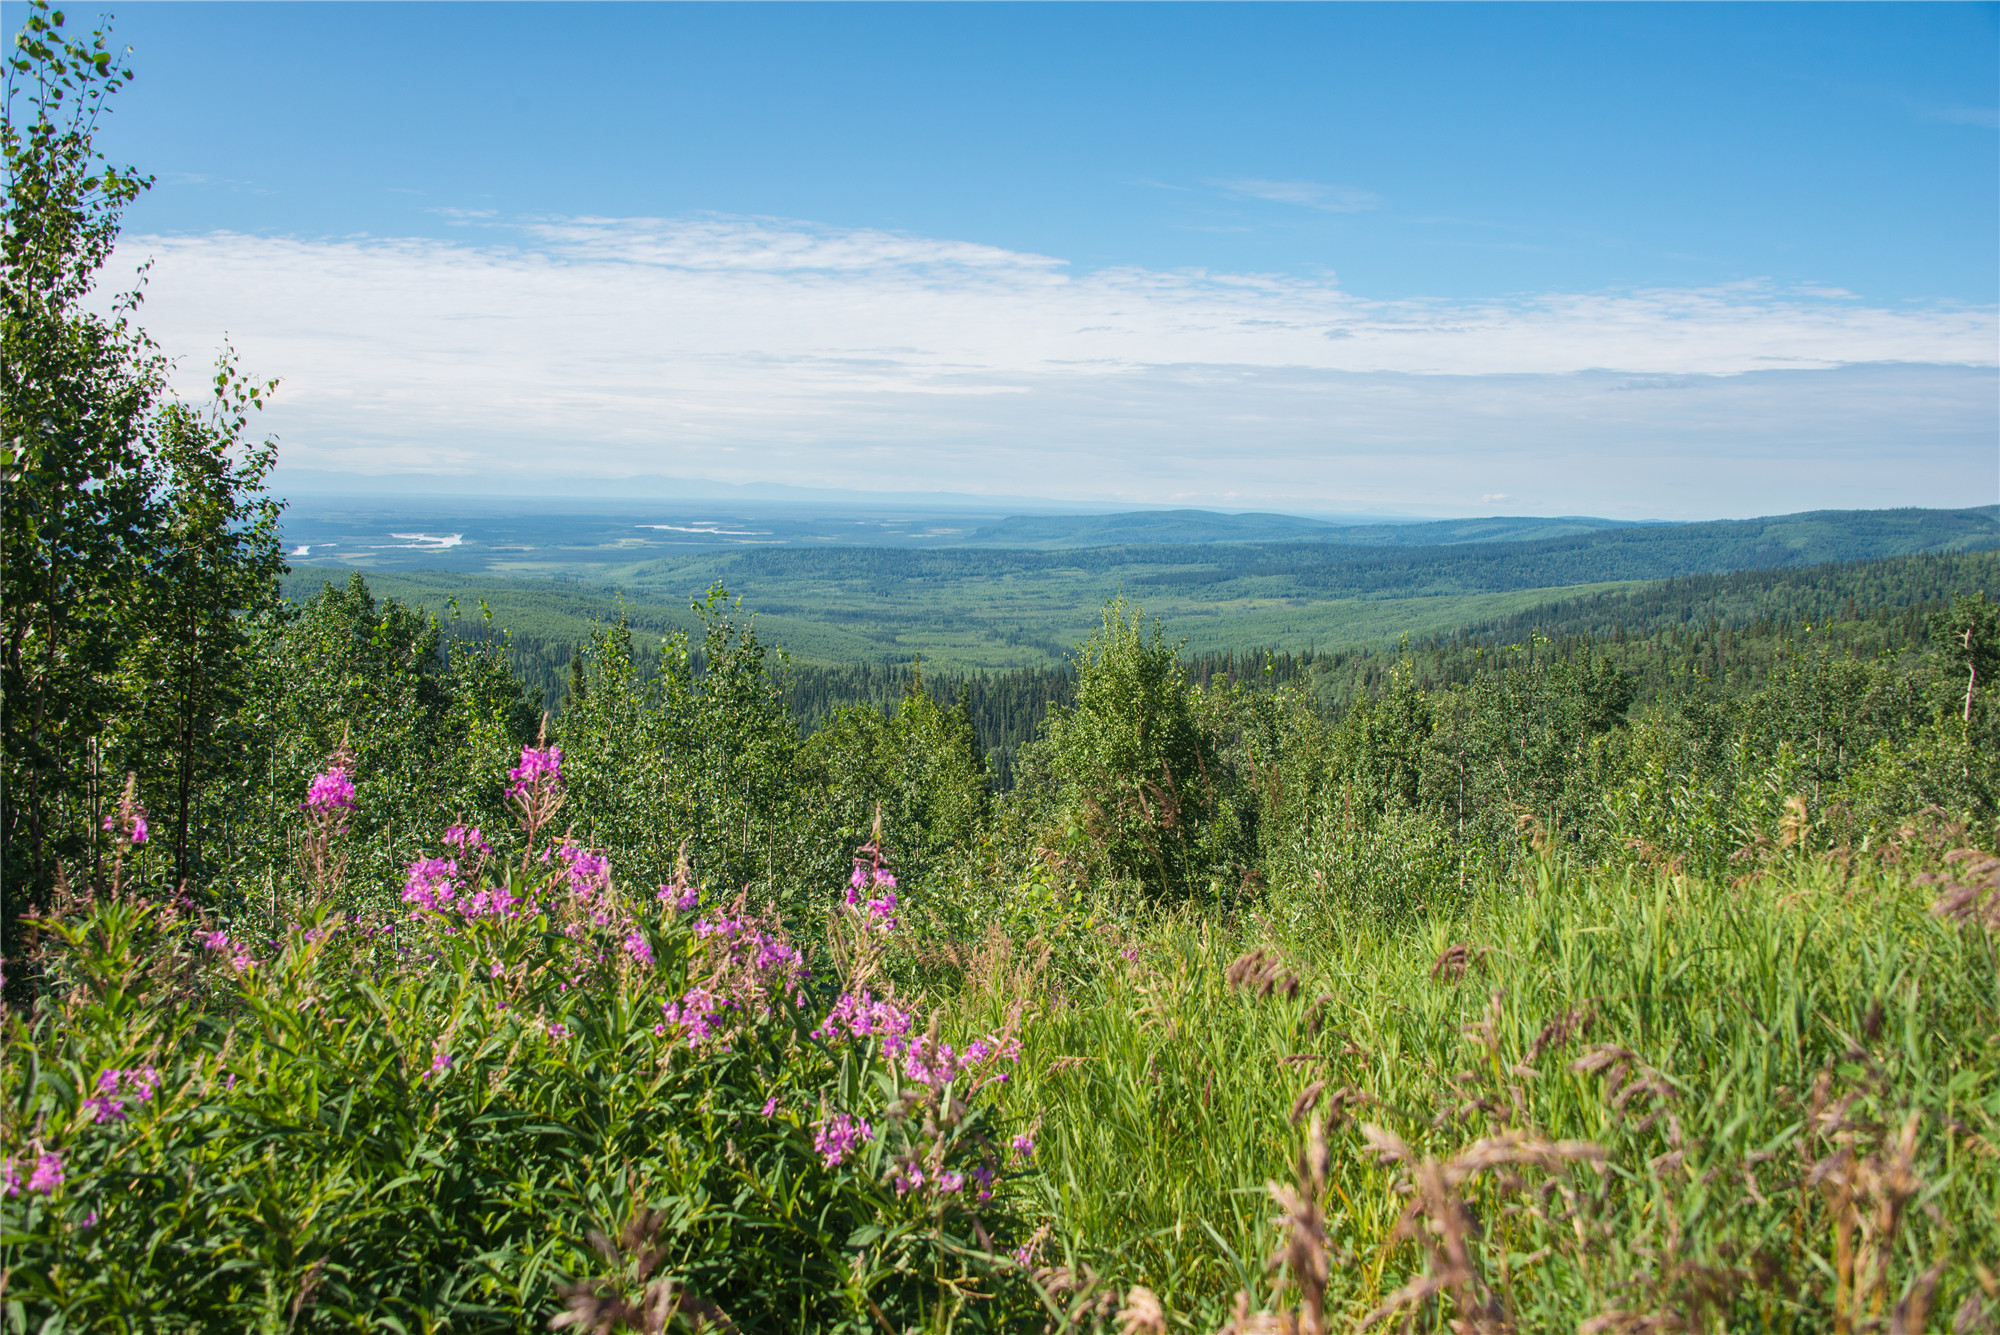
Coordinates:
(1738, 1074)
(1588, 1100)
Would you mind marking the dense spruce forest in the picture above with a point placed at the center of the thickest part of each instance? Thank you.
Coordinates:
(1627, 964)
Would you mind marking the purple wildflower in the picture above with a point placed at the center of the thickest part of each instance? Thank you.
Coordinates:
(48, 1174)
(458, 836)
(639, 949)
(114, 1087)
(539, 771)
(1024, 1145)
(771, 1106)
(134, 818)
(587, 872)
(861, 1015)
(10, 1178)
(838, 1136)
(682, 897)
(331, 792)
(430, 884)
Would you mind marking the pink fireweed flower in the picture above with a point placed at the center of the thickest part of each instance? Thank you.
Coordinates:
(682, 897)
(587, 872)
(439, 1065)
(240, 957)
(113, 1087)
(458, 836)
(494, 902)
(838, 1136)
(330, 793)
(1024, 1145)
(10, 1178)
(431, 883)
(540, 767)
(877, 912)
(469, 842)
(771, 1106)
(48, 1174)
(696, 1015)
(134, 821)
(907, 1178)
(860, 1015)
(639, 949)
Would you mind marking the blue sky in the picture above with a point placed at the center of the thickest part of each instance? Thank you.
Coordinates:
(1336, 256)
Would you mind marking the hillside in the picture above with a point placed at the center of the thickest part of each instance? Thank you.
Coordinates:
(981, 609)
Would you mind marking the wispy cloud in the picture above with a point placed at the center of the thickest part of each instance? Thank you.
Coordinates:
(1307, 194)
(1985, 117)
(744, 348)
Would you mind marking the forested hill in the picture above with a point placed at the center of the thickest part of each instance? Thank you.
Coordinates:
(1721, 635)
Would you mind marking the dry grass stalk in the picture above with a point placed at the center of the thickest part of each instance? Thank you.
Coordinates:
(1866, 1195)
(1972, 895)
(1302, 1256)
(1263, 972)
(1142, 1313)
(1442, 1224)
(601, 1307)
(1456, 959)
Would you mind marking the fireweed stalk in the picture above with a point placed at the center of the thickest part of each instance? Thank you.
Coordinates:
(328, 806)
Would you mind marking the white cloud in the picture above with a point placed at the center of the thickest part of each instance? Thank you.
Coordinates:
(752, 348)
(1310, 194)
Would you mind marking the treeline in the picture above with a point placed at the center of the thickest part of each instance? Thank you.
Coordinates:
(1716, 634)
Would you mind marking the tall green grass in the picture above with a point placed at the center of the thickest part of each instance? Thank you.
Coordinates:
(1721, 1043)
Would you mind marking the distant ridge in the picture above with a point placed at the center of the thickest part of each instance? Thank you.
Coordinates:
(1056, 532)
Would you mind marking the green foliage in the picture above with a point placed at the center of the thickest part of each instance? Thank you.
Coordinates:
(431, 725)
(76, 483)
(417, 1124)
(189, 719)
(1131, 775)
(919, 769)
(697, 755)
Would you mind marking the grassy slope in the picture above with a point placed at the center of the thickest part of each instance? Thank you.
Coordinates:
(1165, 1095)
